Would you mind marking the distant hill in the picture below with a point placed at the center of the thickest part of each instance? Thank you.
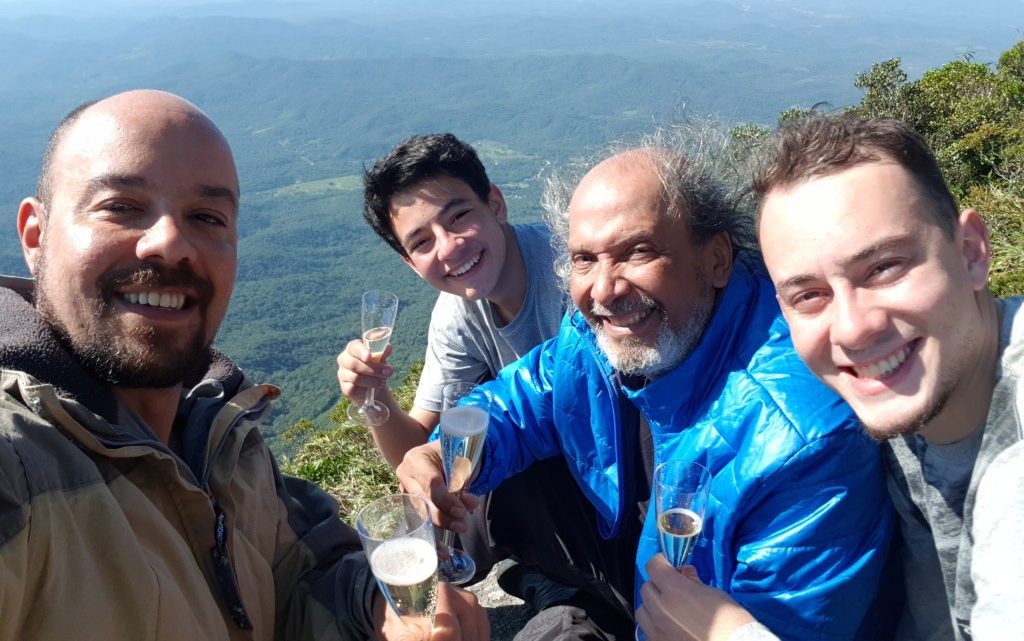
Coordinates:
(310, 93)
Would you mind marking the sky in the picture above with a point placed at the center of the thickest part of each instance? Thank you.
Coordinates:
(319, 7)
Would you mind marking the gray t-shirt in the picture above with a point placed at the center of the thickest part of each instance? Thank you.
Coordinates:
(933, 488)
(465, 342)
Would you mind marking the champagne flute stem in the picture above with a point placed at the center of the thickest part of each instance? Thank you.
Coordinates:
(448, 541)
(369, 400)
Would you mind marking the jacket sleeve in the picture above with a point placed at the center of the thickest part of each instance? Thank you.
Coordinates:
(521, 428)
(814, 542)
(14, 549)
(323, 584)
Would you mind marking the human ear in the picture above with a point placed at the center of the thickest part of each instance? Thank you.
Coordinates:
(718, 259)
(31, 224)
(972, 237)
(496, 201)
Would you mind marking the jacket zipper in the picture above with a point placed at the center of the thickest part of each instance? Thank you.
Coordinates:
(224, 573)
(223, 570)
(616, 393)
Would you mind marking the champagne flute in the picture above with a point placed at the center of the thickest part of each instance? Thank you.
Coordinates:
(398, 538)
(463, 430)
(681, 490)
(379, 310)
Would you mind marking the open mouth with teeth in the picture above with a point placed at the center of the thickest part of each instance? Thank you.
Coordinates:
(883, 368)
(162, 300)
(464, 268)
(628, 320)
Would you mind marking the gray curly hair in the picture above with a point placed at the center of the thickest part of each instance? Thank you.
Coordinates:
(704, 181)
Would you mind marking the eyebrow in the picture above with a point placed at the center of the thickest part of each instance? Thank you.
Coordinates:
(113, 181)
(622, 241)
(132, 181)
(448, 206)
(218, 192)
(880, 247)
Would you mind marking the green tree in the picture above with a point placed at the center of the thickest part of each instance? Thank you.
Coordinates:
(1011, 64)
(971, 115)
(887, 92)
(745, 140)
(795, 114)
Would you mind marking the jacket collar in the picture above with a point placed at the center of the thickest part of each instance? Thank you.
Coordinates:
(27, 344)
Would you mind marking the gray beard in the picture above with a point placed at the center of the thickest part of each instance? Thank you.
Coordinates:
(672, 346)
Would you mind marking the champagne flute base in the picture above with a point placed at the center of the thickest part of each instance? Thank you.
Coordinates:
(371, 414)
(459, 569)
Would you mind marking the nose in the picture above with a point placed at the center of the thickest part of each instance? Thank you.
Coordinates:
(165, 240)
(608, 283)
(447, 244)
(858, 320)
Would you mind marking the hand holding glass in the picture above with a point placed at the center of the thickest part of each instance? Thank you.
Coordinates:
(681, 491)
(379, 310)
(398, 538)
(463, 430)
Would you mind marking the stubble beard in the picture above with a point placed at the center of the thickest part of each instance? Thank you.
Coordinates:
(916, 424)
(950, 375)
(136, 358)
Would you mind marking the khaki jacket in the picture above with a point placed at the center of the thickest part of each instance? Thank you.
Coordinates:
(105, 534)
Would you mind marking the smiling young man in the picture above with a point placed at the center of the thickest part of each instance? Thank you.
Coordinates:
(676, 350)
(137, 499)
(883, 283)
(430, 199)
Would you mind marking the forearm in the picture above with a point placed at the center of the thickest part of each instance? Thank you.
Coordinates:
(522, 428)
(402, 431)
(323, 584)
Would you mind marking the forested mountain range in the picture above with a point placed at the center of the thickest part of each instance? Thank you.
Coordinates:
(309, 93)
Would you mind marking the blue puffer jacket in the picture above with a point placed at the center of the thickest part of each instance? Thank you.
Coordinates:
(799, 521)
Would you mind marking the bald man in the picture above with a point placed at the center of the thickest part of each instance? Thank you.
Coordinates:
(137, 499)
(676, 351)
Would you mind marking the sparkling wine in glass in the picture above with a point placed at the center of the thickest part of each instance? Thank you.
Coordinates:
(681, 490)
(398, 538)
(378, 313)
(680, 497)
(463, 431)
